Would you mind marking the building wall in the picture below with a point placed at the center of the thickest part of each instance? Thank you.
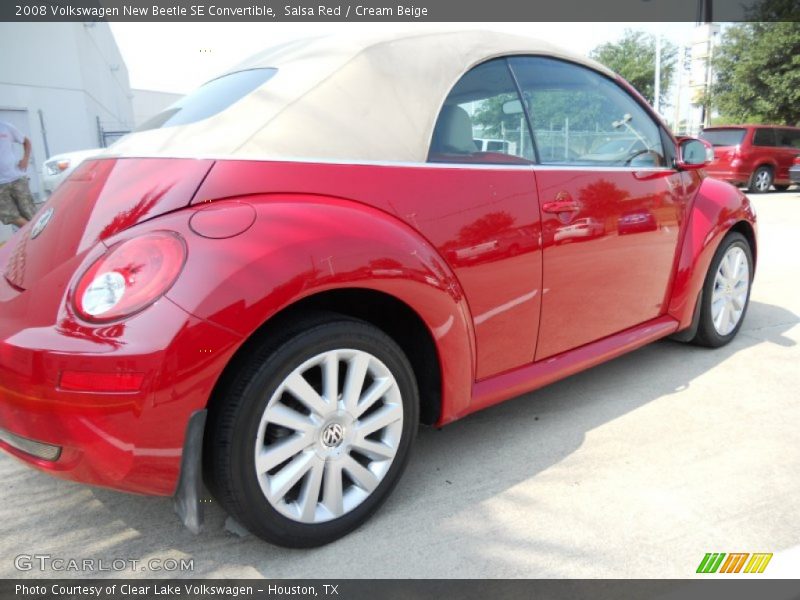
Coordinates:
(73, 73)
(148, 103)
(65, 76)
(704, 40)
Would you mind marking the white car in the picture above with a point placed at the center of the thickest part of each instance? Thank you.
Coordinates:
(484, 145)
(56, 168)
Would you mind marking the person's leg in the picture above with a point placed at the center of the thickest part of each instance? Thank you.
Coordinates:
(21, 192)
(9, 211)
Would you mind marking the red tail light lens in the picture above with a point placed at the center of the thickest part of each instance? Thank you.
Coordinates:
(797, 159)
(86, 381)
(130, 277)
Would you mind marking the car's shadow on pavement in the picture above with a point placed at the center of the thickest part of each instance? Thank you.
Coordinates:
(453, 472)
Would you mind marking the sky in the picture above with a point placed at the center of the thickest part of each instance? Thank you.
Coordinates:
(178, 57)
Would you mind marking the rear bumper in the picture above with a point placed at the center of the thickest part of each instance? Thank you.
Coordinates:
(794, 174)
(734, 176)
(128, 441)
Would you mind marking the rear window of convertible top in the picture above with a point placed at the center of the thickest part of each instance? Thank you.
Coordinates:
(209, 99)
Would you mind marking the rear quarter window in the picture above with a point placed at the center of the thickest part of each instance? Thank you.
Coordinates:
(789, 138)
(209, 99)
(723, 137)
(764, 137)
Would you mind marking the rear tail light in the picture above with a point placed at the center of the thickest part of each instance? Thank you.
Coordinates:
(130, 277)
(735, 156)
(89, 381)
(797, 159)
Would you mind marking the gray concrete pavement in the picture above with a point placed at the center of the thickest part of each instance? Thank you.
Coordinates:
(635, 468)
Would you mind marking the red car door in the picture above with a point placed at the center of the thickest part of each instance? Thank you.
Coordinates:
(479, 207)
(612, 205)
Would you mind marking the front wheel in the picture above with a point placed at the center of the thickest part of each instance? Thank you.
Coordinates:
(726, 292)
(314, 431)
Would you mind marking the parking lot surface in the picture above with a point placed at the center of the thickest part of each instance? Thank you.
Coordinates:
(635, 468)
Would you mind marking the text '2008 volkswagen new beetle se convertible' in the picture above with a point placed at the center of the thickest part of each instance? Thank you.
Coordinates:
(272, 283)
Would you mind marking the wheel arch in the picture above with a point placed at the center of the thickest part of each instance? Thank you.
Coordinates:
(769, 163)
(748, 231)
(389, 314)
(717, 209)
(307, 252)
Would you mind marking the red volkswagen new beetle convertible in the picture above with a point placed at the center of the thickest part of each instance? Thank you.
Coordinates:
(271, 284)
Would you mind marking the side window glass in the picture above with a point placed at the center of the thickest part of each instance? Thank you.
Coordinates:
(582, 118)
(482, 120)
(789, 138)
(764, 137)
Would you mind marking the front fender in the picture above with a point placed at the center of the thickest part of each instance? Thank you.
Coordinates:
(717, 207)
(301, 245)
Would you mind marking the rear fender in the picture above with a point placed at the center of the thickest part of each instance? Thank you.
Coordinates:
(301, 245)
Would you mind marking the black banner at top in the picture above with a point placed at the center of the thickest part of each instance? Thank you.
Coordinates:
(400, 10)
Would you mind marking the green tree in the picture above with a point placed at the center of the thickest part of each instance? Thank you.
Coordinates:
(490, 116)
(548, 108)
(757, 67)
(634, 57)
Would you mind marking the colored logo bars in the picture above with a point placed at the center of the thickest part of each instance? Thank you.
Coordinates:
(717, 562)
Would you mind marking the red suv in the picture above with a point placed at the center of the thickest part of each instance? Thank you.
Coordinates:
(757, 156)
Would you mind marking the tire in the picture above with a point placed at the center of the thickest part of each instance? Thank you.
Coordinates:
(760, 180)
(780, 188)
(256, 413)
(720, 293)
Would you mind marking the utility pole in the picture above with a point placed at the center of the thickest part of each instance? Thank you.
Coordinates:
(705, 15)
(657, 83)
(705, 11)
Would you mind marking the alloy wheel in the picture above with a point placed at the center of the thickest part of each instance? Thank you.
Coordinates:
(763, 180)
(731, 286)
(328, 435)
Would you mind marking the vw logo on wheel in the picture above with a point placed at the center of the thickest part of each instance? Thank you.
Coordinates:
(333, 435)
(42, 222)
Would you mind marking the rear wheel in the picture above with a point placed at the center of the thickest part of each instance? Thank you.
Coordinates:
(760, 180)
(726, 292)
(314, 431)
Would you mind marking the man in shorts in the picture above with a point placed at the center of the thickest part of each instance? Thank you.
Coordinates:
(16, 202)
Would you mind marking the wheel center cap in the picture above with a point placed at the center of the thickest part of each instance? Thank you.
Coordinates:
(332, 435)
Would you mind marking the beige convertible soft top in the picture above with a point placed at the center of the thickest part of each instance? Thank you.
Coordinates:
(341, 98)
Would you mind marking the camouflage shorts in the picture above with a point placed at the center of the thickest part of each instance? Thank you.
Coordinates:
(16, 201)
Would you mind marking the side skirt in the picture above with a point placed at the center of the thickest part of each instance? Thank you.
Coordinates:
(501, 387)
